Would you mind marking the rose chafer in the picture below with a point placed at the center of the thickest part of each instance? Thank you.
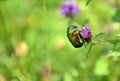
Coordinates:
(74, 35)
(78, 37)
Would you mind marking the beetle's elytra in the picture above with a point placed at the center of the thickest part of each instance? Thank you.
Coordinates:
(73, 34)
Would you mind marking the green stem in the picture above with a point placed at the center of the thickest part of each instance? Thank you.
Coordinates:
(22, 69)
(11, 23)
(47, 46)
(2, 21)
(70, 21)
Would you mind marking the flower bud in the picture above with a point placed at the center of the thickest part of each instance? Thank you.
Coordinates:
(86, 34)
(2, 78)
(70, 8)
(21, 49)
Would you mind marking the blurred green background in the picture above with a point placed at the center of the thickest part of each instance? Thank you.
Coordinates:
(34, 45)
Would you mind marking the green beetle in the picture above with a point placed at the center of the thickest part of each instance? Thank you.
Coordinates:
(73, 34)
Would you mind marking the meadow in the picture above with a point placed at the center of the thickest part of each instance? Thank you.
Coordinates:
(34, 42)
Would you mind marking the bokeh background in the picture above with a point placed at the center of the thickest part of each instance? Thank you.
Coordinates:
(34, 44)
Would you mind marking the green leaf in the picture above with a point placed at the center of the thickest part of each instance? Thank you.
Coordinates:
(88, 48)
(116, 17)
(114, 41)
(88, 1)
(100, 35)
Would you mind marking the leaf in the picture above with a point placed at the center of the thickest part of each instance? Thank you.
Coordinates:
(114, 41)
(100, 35)
(88, 1)
(89, 47)
(116, 17)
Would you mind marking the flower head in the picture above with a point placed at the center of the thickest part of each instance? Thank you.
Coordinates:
(86, 34)
(69, 8)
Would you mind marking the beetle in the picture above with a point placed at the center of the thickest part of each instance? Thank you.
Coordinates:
(74, 36)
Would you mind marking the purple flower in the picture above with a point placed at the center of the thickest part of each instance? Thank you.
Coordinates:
(86, 34)
(70, 8)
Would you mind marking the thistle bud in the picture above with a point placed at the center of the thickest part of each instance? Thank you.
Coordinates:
(70, 8)
(86, 34)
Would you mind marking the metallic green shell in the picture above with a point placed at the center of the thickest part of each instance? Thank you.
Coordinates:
(73, 34)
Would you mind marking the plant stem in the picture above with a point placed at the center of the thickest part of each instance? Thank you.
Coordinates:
(70, 21)
(5, 28)
(47, 44)
(22, 69)
(11, 23)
